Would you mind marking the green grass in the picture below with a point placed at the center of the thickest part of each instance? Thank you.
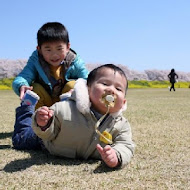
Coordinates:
(160, 122)
(6, 84)
(156, 84)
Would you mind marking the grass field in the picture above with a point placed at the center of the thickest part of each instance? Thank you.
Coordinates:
(6, 84)
(160, 123)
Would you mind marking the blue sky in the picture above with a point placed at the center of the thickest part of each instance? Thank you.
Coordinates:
(142, 34)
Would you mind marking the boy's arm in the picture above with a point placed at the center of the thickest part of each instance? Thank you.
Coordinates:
(27, 75)
(77, 70)
(82, 71)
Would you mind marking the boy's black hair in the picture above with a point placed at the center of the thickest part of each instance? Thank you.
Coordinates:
(52, 31)
(93, 74)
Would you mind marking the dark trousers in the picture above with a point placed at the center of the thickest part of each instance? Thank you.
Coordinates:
(23, 135)
(172, 86)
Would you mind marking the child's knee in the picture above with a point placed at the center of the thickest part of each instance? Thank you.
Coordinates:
(45, 98)
(68, 86)
(38, 88)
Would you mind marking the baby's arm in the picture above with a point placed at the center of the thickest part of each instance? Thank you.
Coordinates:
(45, 123)
(108, 155)
(43, 115)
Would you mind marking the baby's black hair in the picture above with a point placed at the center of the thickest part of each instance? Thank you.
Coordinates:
(52, 31)
(93, 74)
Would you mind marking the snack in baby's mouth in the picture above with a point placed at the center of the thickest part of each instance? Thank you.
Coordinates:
(108, 100)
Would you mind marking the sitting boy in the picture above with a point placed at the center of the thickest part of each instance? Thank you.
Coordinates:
(53, 68)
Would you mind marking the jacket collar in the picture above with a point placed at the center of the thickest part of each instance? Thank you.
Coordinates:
(81, 96)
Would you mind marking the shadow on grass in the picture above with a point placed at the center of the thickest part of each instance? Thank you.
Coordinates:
(103, 168)
(6, 135)
(5, 147)
(39, 157)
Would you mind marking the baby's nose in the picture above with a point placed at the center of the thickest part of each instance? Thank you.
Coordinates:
(110, 91)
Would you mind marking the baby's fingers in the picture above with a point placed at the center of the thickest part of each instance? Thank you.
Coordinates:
(50, 113)
(100, 149)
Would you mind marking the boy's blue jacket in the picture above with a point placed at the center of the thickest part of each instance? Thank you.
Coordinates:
(33, 71)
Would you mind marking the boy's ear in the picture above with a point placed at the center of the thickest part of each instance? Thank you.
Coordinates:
(38, 49)
(68, 46)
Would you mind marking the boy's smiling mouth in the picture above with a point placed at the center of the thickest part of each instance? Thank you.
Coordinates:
(54, 61)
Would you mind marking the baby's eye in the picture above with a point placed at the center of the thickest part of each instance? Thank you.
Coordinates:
(119, 89)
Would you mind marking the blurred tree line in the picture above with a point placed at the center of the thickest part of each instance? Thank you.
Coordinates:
(11, 68)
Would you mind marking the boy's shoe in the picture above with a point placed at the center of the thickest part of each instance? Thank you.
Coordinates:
(30, 98)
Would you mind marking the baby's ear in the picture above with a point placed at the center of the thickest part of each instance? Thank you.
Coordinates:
(124, 107)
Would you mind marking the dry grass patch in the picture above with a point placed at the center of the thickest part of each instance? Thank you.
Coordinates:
(160, 122)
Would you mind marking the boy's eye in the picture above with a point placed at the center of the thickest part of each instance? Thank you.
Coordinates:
(60, 48)
(104, 83)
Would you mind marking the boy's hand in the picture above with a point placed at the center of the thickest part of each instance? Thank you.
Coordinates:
(23, 89)
(43, 115)
(108, 155)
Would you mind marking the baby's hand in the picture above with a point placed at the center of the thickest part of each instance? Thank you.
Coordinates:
(43, 115)
(23, 89)
(108, 155)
